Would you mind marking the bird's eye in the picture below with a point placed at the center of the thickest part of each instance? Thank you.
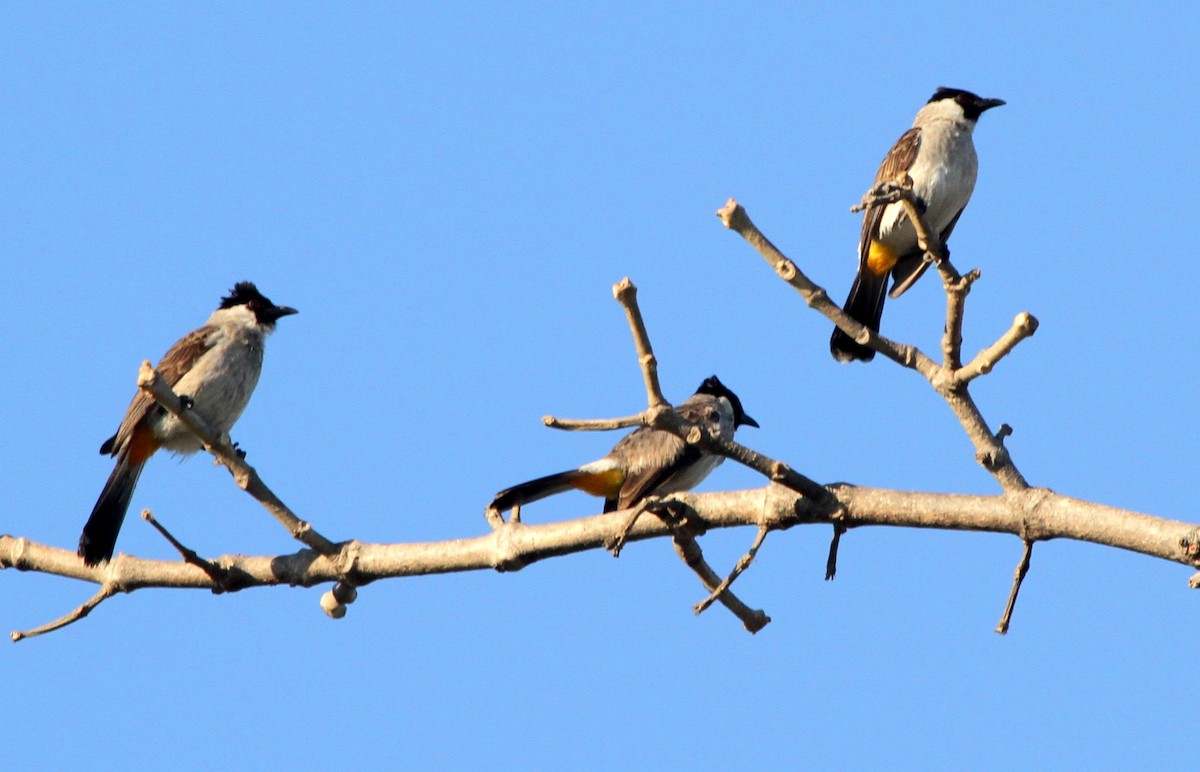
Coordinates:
(254, 305)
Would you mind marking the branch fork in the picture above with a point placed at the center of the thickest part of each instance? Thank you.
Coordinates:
(660, 415)
(1031, 514)
(151, 382)
(950, 379)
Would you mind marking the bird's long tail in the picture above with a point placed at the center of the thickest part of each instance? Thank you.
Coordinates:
(99, 537)
(865, 306)
(533, 490)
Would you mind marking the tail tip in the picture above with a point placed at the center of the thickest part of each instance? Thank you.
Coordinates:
(846, 349)
(91, 554)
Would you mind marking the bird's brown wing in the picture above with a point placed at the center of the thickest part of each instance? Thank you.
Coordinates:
(644, 482)
(893, 169)
(651, 457)
(177, 361)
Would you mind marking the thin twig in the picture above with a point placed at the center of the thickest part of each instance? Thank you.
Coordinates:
(957, 287)
(956, 298)
(775, 471)
(106, 591)
(1018, 577)
(689, 550)
(626, 294)
(246, 477)
(594, 424)
(929, 242)
(619, 540)
(734, 217)
(742, 564)
(219, 575)
(834, 543)
(988, 451)
(1023, 326)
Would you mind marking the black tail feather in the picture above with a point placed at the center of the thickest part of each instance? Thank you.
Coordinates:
(533, 490)
(99, 537)
(865, 306)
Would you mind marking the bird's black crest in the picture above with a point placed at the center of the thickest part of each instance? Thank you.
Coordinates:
(713, 387)
(242, 294)
(973, 105)
(956, 94)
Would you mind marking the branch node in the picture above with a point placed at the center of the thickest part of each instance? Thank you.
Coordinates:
(743, 563)
(508, 552)
(683, 530)
(1191, 546)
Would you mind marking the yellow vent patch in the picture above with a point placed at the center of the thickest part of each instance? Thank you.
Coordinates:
(605, 484)
(881, 258)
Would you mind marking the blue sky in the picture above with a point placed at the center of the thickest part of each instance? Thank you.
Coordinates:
(447, 194)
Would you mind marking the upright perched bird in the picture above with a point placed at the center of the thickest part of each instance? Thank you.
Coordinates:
(938, 155)
(645, 462)
(214, 369)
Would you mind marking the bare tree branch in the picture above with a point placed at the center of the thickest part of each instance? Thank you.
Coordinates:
(626, 294)
(218, 574)
(244, 475)
(1037, 514)
(1023, 326)
(742, 564)
(689, 550)
(948, 382)
(950, 379)
(1033, 514)
(956, 299)
(735, 218)
(105, 592)
(595, 424)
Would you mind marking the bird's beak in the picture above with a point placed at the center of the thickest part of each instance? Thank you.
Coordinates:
(281, 311)
(988, 104)
(748, 421)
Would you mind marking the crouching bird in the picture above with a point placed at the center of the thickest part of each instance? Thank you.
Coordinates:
(214, 370)
(647, 462)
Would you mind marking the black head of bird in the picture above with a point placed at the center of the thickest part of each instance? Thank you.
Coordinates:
(713, 387)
